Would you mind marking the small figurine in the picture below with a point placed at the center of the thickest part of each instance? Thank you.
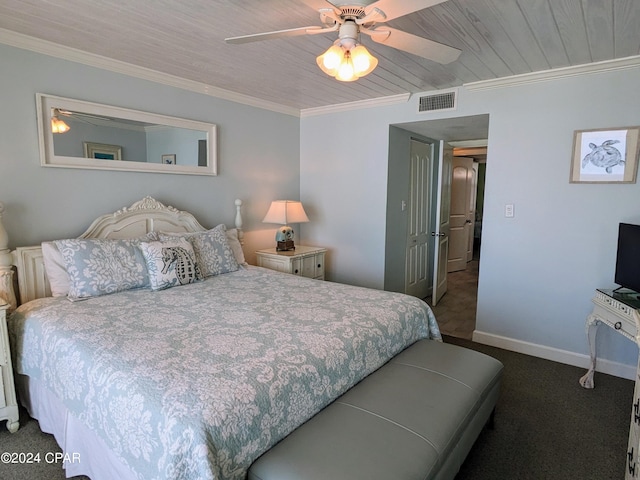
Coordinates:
(284, 238)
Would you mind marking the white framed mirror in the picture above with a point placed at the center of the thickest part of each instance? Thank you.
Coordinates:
(105, 137)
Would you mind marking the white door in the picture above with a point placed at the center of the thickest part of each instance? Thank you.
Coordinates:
(417, 259)
(472, 210)
(443, 208)
(460, 227)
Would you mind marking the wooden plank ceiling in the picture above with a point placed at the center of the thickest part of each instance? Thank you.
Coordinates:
(185, 38)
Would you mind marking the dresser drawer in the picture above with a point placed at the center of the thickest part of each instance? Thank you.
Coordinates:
(309, 266)
(319, 266)
(625, 325)
(278, 264)
(303, 261)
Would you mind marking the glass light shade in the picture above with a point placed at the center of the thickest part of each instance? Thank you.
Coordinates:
(363, 61)
(332, 57)
(58, 126)
(284, 212)
(330, 60)
(346, 72)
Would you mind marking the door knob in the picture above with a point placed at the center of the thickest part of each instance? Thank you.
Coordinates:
(434, 234)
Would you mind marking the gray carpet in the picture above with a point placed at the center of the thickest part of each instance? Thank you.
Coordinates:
(546, 427)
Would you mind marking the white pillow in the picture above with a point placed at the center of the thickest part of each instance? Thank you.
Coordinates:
(236, 247)
(55, 269)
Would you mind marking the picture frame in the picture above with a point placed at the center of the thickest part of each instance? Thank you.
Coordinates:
(169, 159)
(102, 151)
(605, 155)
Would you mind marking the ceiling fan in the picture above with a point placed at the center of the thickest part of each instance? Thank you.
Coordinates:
(347, 59)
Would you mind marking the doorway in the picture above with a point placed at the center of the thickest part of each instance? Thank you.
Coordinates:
(456, 311)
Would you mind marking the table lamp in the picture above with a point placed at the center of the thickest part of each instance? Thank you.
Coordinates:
(285, 212)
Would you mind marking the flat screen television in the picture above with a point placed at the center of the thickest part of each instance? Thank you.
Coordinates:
(628, 258)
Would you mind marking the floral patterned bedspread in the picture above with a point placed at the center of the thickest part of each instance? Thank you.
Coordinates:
(197, 381)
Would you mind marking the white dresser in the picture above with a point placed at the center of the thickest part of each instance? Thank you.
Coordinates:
(618, 311)
(633, 449)
(8, 403)
(304, 261)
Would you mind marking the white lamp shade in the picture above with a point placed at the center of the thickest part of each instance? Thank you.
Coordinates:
(284, 212)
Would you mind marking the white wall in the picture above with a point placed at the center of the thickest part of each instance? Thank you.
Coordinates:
(258, 153)
(343, 183)
(539, 269)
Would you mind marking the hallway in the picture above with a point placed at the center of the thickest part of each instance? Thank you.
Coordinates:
(456, 311)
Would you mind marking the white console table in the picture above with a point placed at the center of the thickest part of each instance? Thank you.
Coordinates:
(621, 312)
(615, 310)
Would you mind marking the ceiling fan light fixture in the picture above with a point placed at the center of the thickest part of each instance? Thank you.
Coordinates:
(347, 60)
(57, 125)
(346, 65)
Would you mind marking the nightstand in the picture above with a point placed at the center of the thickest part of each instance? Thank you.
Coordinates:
(304, 261)
(8, 403)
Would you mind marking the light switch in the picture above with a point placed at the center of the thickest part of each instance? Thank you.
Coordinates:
(508, 210)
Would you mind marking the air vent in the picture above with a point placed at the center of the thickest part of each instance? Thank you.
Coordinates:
(440, 101)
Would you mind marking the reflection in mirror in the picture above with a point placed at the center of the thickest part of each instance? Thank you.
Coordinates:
(80, 134)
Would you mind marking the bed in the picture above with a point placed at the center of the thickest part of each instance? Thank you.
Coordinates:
(193, 375)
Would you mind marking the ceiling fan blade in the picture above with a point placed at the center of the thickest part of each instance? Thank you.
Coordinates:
(398, 8)
(291, 32)
(422, 47)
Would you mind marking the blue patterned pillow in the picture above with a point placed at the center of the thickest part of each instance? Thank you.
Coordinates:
(100, 266)
(213, 252)
(170, 263)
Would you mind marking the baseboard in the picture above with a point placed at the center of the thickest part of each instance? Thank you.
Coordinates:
(555, 354)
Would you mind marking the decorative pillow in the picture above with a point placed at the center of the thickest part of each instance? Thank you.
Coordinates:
(55, 269)
(213, 253)
(170, 263)
(236, 246)
(100, 266)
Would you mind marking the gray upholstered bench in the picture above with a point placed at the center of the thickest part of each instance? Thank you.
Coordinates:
(415, 418)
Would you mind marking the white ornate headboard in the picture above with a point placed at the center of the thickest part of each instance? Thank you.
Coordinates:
(143, 216)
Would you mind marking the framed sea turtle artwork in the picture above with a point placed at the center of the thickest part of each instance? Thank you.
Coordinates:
(608, 155)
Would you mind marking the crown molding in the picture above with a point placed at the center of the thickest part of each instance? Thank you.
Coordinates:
(343, 107)
(45, 47)
(556, 73)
